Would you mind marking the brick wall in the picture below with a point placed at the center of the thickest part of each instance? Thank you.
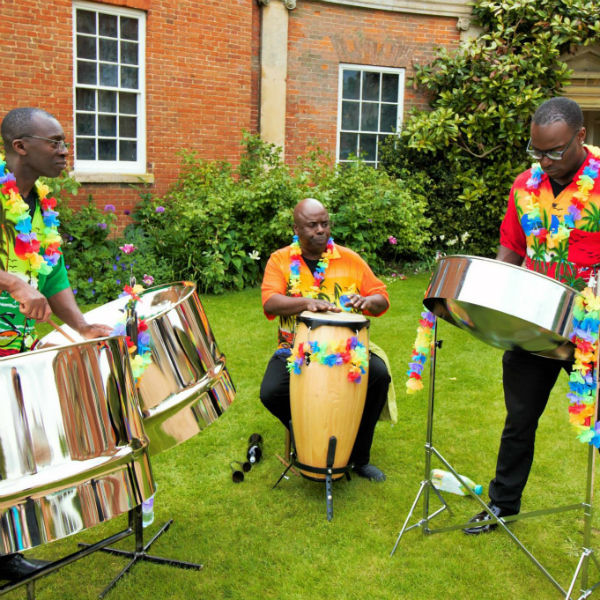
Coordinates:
(323, 35)
(199, 80)
(203, 72)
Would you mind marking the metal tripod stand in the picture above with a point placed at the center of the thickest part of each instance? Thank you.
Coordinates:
(141, 550)
(581, 572)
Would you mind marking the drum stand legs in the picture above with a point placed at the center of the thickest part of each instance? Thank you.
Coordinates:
(51, 567)
(587, 553)
(141, 549)
(329, 471)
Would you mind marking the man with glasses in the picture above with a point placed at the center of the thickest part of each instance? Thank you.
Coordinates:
(552, 225)
(33, 277)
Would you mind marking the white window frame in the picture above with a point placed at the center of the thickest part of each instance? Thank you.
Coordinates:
(106, 166)
(400, 104)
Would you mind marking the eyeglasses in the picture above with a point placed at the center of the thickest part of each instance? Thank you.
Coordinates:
(551, 154)
(56, 144)
(236, 474)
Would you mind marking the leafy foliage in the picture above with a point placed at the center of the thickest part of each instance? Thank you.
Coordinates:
(471, 144)
(217, 225)
(220, 225)
(98, 267)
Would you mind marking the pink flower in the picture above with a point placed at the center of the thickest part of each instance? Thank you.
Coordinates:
(160, 209)
(148, 279)
(128, 248)
(392, 240)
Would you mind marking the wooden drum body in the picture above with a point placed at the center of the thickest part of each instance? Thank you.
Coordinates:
(324, 402)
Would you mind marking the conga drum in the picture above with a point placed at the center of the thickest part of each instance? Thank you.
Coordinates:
(73, 452)
(186, 386)
(327, 396)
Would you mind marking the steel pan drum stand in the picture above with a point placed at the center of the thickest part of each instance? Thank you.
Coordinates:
(328, 471)
(53, 566)
(141, 550)
(587, 553)
(135, 514)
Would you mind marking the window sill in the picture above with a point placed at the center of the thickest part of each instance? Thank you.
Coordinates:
(112, 177)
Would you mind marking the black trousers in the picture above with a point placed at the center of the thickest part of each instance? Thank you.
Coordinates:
(528, 380)
(275, 395)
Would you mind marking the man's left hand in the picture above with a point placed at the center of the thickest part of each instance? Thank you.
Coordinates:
(92, 331)
(357, 302)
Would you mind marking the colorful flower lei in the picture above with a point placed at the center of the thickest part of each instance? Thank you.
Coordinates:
(350, 352)
(420, 352)
(586, 312)
(143, 356)
(559, 229)
(582, 382)
(318, 275)
(26, 245)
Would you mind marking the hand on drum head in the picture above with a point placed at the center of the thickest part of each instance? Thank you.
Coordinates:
(92, 331)
(315, 305)
(355, 301)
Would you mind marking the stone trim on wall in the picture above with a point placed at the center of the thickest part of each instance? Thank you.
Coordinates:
(142, 178)
(584, 87)
(438, 8)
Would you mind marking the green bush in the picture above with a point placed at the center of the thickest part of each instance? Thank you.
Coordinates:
(217, 226)
(98, 267)
(471, 144)
(379, 217)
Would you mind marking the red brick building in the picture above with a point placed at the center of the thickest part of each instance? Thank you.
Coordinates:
(135, 81)
(327, 40)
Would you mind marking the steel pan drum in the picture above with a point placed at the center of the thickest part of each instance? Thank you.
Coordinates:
(503, 305)
(186, 387)
(73, 452)
(323, 402)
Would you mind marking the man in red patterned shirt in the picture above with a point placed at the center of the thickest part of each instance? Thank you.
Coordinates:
(552, 224)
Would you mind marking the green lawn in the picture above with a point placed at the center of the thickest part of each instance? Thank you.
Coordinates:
(264, 543)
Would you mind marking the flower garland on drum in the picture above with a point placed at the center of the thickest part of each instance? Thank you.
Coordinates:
(318, 275)
(26, 245)
(421, 349)
(141, 346)
(582, 382)
(350, 352)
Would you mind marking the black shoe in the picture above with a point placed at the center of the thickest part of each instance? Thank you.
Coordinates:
(370, 472)
(484, 518)
(16, 566)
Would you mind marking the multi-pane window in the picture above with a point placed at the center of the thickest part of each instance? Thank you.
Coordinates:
(109, 89)
(369, 108)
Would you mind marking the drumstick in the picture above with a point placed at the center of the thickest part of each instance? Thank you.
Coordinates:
(60, 329)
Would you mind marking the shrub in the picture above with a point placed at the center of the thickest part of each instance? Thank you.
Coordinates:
(471, 144)
(217, 226)
(98, 267)
(379, 217)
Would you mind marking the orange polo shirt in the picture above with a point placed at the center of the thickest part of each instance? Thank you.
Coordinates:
(347, 273)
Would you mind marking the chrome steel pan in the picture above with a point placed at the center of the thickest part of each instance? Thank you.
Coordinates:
(73, 452)
(506, 306)
(187, 386)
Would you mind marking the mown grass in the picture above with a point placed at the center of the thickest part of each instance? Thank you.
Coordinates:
(259, 542)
